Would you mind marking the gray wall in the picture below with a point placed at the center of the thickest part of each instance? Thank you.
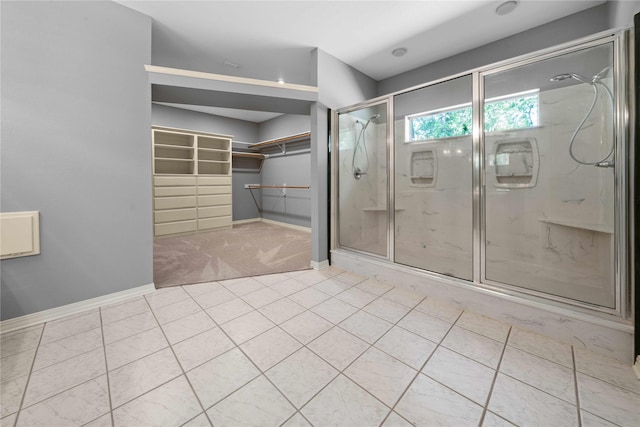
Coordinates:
(162, 115)
(243, 205)
(285, 125)
(292, 206)
(621, 13)
(572, 27)
(75, 146)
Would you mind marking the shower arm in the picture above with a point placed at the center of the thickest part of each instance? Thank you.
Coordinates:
(603, 162)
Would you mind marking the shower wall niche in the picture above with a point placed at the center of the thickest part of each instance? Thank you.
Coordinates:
(510, 178)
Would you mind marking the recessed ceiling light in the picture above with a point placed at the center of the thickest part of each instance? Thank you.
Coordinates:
(507, 7)
(399, 51)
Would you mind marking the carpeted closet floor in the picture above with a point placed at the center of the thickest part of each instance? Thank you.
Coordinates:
(251, 249)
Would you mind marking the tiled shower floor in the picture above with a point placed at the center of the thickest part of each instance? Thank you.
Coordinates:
(322, 348)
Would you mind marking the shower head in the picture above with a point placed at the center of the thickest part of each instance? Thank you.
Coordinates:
(564, 76)
(375, 117)
(560, 77)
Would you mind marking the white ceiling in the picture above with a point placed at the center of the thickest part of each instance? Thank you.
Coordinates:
(273, 39)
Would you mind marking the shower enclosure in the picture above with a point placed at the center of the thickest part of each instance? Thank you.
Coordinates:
(511, 178)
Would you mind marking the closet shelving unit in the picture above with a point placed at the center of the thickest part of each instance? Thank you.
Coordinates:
(258, 156)
(192, 181)
(270, 144)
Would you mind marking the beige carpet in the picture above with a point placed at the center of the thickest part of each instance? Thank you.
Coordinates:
(245, 250)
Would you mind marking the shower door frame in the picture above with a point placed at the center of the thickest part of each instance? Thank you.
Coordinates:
(335, 175)
(621, 214)
(623, 171)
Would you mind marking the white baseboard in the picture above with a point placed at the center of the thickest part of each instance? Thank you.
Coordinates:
(246, 221)
(274, 222)
(320, 265)
(284, 224)
(69, 309)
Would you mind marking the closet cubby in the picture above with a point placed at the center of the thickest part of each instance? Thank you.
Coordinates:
(192, 181)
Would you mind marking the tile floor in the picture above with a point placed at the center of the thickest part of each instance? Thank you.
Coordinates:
(321, 348)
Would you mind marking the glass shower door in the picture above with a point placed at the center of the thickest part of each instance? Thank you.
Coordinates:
(433, 178)
(549, 176)
(363, 180)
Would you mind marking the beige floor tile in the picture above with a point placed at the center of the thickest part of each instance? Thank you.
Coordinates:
(301, 375)
(483, 325)
(468, 377)
(306, 326)
(338, 347)
(269, 348)
(171, 404)
(66, 348)
(334, 310)
(477, 347)
(201, 348)
(387, 310)
(247, 326)
(219, 377)
(229, 310)
(426, 326)
(508, 401)
(428, 403)
(281, 310)
(343, 403)
(382, 375)
(74, 407)
(258, 403)
(187, 326)
(406, 346)
(64, 375)
(366, 326)
(557, 380)
(137, 378)
(134, 347)
(20, 340)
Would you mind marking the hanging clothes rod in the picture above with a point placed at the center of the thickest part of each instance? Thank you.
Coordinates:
(301, 187)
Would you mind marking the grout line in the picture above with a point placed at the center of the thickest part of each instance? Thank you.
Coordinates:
(178, 361)
(575, 384)
(495, 377)
(421, 368)
(106, 366)
(26, 386)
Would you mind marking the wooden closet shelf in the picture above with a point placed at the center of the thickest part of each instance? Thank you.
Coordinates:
(250, 155)
(291, 138)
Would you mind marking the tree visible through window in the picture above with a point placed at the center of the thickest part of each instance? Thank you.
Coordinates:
(516, 111)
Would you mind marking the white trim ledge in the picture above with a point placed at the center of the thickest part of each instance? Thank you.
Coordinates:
(273, 222)
(74, 308)
(607, 337)
(319, 265)
(285, 224)
(246, 221)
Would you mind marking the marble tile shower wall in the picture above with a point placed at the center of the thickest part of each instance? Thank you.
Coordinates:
(434, 223)
(363, 222)
(555, 236)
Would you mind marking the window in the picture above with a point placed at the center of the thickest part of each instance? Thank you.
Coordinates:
(514, 111)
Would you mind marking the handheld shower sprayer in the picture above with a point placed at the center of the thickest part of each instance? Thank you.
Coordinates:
(361, 144)
(596, 84)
